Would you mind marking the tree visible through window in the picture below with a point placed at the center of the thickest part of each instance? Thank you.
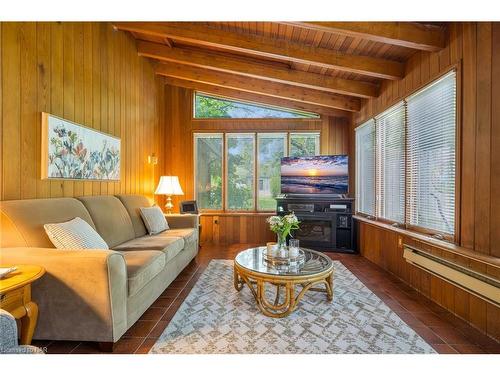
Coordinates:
(240, 171)
(304, 144)
(208, 171)
(271, 148)
(206, 106)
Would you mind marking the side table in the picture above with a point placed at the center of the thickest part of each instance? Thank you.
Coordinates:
(15, 297)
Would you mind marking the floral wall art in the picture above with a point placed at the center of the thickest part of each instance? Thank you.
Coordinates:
(75, 152)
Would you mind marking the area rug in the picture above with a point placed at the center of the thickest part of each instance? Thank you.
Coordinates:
(215, 319)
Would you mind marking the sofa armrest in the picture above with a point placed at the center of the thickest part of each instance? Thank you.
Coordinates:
(177, 221)
(82, 296)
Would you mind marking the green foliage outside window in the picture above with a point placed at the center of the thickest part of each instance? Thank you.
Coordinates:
(240, 159)
(213, 107)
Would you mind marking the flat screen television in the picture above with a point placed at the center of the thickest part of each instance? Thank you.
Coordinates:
(315, 175)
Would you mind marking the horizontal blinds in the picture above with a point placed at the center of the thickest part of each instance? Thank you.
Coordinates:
(390, 151)
(365, 168)
(431, 124)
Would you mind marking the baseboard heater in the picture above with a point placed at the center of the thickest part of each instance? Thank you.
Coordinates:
(476, 283)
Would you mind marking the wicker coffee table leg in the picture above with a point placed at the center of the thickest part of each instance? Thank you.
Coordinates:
(238, 282)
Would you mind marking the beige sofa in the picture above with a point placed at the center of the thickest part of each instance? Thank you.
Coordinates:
(95, 295)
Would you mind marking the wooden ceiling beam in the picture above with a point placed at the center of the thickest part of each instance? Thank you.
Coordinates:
(255, 98)
(269, 47)
(406, 34)
(259, 86)
(249, 68)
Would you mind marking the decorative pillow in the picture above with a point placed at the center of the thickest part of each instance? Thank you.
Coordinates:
(154, 219)
(75, 234)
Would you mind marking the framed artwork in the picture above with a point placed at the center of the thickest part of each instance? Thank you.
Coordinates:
(72, 151)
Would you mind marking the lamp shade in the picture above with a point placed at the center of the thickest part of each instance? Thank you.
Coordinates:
(169, 185)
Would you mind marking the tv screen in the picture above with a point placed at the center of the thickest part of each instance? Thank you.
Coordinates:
(315, 175)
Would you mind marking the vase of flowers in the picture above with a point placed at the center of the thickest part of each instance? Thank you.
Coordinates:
(282, 226)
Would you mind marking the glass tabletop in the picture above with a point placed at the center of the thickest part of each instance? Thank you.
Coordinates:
(253, 260)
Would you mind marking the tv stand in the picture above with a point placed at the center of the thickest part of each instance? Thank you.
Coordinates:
(326, 221)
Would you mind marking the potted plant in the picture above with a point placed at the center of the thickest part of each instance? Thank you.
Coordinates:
(282, 226)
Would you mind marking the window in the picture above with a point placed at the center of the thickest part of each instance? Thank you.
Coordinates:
(304, 144)
(414, 162)
(365, 168)
(390, 131)
(431, 156)
(240, 156)
(208, 170)
(241, 171)
(271, 147)
(208, 106)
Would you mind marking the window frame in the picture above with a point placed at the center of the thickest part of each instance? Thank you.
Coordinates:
(257, 155)
(224, 133)
(455, 237)
(357, 172)
(244, 135)
(270, 106)
(195, 154)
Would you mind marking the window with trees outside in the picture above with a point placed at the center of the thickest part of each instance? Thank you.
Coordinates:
(214, 107)
(413, 148)
(241, 171)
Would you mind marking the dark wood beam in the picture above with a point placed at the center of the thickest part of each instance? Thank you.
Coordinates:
(256, 98)
(269, 47)
(245, 67)
(259, 86)
(406, 34)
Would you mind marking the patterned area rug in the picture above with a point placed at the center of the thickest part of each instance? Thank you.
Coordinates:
(215, 318)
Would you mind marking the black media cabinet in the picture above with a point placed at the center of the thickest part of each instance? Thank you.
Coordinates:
(326, 222)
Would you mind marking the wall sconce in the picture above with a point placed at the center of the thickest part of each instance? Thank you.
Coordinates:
(152, 159)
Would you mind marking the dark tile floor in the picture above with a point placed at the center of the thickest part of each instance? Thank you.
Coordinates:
(441, 329)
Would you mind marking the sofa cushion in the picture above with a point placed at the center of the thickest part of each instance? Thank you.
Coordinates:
(74, 234)
(132, 204)
(154, 219)
(22, 220)
(142, 267)
(189, 235)
(111, 219)
(170, 245)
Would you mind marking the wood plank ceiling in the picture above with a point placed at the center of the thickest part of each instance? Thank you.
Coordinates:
(323, 67)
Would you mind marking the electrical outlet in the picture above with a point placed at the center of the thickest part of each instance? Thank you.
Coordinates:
(400, 242)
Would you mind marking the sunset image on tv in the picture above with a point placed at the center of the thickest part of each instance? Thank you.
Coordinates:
(315, 174)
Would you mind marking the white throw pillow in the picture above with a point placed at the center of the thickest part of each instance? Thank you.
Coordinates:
(75, 234)
(154, 219)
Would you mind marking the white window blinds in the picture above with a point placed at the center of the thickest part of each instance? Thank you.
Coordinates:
(431, 115)
(390, 151)
(365, 168)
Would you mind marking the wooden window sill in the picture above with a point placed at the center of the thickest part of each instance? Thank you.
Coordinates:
(253, 213)
(443, 245)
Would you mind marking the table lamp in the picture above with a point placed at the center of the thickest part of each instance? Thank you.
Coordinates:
(169, 185)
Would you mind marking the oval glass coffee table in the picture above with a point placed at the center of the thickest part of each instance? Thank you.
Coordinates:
(251, 269)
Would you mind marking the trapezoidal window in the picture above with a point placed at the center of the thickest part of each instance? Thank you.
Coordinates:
(214, 107)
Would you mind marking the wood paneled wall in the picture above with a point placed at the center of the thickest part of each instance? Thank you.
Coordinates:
(83, 72)
(475, 47)
(384, 247)
(180, 126)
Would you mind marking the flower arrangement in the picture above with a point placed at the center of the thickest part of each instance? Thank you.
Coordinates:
(282, 226)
